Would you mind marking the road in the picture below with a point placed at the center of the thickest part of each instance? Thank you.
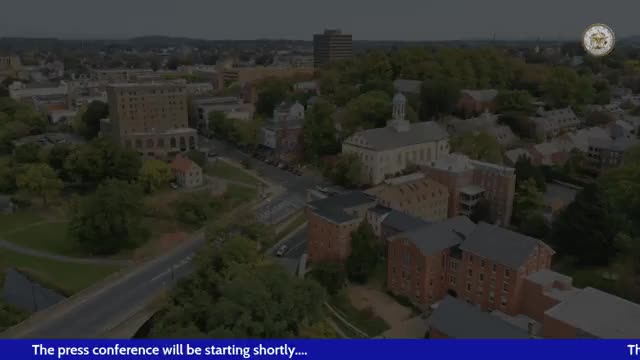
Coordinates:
(102, 309)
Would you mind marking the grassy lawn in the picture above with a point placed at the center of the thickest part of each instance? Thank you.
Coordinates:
(49, 237)
(237, 195)
(64, 277)
(18, 220)
(224, 170)
(365, 319)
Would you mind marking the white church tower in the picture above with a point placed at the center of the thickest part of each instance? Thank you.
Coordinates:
(398, 121)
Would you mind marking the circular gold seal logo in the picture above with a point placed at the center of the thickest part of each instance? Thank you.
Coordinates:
(598, 40)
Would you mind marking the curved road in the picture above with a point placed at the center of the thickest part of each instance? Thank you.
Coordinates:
(92, 313)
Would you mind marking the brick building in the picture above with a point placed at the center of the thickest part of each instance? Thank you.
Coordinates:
(331, 221)
(414, 194)
(477, 101)
(150, 118)
(469, 181)
(282, 133)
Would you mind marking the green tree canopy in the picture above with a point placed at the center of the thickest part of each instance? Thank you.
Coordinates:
(39, 180)
(369, 110)
(271, 92)
(438, 97)
(154, 174)
(347, 170)
(319, 133)
(365, 254)
(89, 126)
(528, 201)
(109, 220)
(102, 159)
(518, 101)
(481, 146)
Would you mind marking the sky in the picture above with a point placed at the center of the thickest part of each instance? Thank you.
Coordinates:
(411, 20)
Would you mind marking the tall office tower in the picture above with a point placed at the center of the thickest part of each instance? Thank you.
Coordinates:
(330, 46)
(151, 118)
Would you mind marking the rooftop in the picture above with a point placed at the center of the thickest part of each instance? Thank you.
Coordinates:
(459, 320)
(182, 164)
(436, 237)
(387, 138)
(499, 245)
(599, 314)
(403, 222)
(333, 207)
(482, 95)
(407, 86)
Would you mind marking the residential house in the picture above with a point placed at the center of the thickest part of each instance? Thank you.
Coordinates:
(307, 87)
(512, 156)
(477, 101)
(552, 123)
(188, 174)
(390, 150)
(415, 195)
(487, 123)
(604, 154)
(547, 154)
(469, 181)
(282, 134)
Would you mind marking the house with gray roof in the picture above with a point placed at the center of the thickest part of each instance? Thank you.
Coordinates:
(455, 319)
(552, 123)
(391, 149)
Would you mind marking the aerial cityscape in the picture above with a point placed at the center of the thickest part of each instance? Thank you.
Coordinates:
(335, 182)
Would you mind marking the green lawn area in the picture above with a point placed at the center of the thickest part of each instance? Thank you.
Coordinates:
(65, 277)
(224, 170)
(365, 320)
(49, 237)
(237, 195)
(18, 220)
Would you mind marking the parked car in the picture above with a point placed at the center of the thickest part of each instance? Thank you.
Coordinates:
(173, 185)
(282, 250)
(212, 154)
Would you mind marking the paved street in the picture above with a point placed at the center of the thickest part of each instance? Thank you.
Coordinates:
(99, 310)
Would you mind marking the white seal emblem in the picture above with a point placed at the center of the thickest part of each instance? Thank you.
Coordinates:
(598, 40)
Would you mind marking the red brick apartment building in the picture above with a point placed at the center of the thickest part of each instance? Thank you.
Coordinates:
(469, 181)
(477, 101)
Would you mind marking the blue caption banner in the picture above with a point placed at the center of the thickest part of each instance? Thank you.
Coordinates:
(319, 349)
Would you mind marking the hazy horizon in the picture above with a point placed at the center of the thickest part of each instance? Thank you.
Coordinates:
(402, 20)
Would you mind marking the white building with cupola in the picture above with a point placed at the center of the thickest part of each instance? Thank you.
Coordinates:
(390, 150)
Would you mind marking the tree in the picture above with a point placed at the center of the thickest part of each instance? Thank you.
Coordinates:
(57, 156)
(481, 146)
(438, 97)
(519, 124)
(271, 92)
(329, 274)
(566, 88)
(366, 111)
(319, 132)
(586, 229)
(7, 176)
(482, 212)
(102, 159)
(39, 180)
(233, 294)
(622, 189)
(528, 200)
(525, 171)
(365, 254)
(197, 157)
(347, 170)
(110, 219)
(154, 174)
(535, 225)
(518, 101)
(90, 120)
(27, 153)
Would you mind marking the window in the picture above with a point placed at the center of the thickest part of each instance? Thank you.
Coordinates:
(470, 273)
(503, 300)
(493, 268)
(468, 286)
(452, 280)
(481, 277)
(492, 296)
(482, 264)
(471, 259)
(454, 265)
(506, 287)
(507, 274)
